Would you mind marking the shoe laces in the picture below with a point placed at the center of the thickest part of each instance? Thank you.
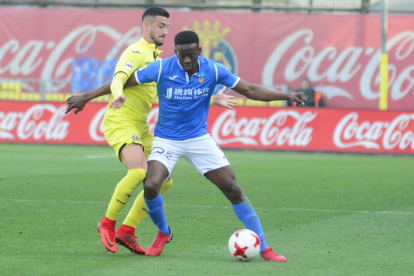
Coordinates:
(132, 240)
(159, 238)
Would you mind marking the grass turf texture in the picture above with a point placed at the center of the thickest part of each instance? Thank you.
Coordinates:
(328, 214)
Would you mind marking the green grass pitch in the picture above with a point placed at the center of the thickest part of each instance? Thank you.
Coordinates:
(329, 214)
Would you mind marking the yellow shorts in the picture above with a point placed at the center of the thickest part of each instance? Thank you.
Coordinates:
(121, 129)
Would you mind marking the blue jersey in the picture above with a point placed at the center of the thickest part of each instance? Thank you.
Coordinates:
(184, 100)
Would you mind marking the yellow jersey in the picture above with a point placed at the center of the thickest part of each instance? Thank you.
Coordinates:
(139, 98)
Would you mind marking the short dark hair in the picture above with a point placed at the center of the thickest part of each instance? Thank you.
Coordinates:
(186, 37)
(154, 11)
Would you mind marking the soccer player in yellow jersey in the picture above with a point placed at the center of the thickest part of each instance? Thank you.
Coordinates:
(127, 131)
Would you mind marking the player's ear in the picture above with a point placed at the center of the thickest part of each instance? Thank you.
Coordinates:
(176, 52)
(147, 24)
(200, 50)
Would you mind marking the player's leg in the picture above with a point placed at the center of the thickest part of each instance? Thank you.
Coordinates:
(133, 158)
(125, 235)
(155, 203)
(225, 180)
(211, 162)
(164, 154)
(122, 134)
(139, 210)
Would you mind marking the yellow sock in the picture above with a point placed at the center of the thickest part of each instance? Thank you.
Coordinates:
(139, 210)
(123, 192)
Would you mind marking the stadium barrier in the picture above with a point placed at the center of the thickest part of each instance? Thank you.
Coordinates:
(266, 128)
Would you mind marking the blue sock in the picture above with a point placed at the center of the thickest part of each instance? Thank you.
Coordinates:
(156, 212)
(245, 212)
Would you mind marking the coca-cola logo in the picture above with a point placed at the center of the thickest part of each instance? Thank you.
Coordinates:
(397, 133)
(33, 123)
(264, 130)
(18, 59)
(331, 65)
(96, 126)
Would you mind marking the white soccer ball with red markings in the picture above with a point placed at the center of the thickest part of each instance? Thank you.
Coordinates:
(244, 245)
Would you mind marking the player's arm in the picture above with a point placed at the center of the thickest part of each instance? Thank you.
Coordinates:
(78, 101)
(124, 69)
(260, 93)
(143, 75)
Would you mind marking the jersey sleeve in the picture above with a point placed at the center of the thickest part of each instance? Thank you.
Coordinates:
(225, 77)
(128, 62)
(150, 73)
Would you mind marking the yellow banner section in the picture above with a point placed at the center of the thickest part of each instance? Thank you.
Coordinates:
(383, 99)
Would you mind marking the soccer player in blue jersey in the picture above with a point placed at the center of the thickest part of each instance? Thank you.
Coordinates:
(185, 84)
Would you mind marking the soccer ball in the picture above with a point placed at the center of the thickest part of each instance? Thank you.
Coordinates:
(244, 245)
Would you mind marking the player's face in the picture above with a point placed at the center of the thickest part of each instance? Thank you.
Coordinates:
(159, 29)
(188, 56)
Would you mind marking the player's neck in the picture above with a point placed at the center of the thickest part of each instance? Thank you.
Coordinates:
(149, 40)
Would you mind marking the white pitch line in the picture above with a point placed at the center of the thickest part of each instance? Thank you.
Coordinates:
(348, 211)
(100, 156)
(52, 201)
(210, 206)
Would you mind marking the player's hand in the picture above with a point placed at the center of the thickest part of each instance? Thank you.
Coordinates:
(75, 102)
(223, 100)
(298, 98)
(118, 102)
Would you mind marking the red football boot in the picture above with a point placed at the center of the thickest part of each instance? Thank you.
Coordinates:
(157, 245)
(125, 236)
(106, 228)
(269, 255)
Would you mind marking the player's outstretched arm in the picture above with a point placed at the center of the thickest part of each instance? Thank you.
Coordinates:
(78, 101)
(223, 100)
(260, 93)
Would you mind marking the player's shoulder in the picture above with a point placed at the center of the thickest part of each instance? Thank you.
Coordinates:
(170, 62)
(209, 62)
(132, 52)
(203, 60)
(136, 48)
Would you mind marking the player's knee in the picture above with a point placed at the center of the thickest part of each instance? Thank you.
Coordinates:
(234, 193)
(137, 164)
(133, 178)
(151, 187)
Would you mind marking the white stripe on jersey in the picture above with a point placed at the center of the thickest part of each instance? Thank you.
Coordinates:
(136, 76)
(159, 72)
(235, 83)
(215, 67)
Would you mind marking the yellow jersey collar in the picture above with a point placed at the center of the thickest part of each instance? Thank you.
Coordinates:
(151, 46)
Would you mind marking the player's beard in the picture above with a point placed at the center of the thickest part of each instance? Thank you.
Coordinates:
(156, 41)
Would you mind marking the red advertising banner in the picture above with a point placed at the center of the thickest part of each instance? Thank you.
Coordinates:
(305, 129)
(338, 53)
